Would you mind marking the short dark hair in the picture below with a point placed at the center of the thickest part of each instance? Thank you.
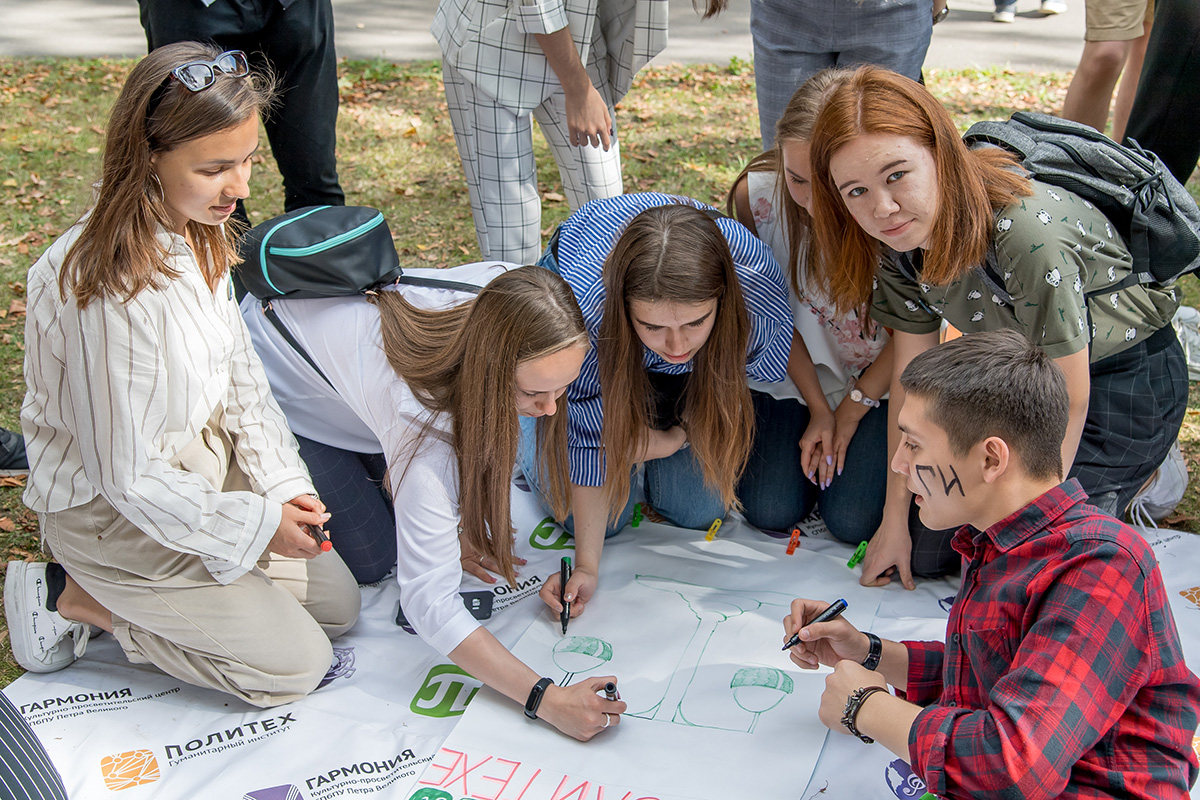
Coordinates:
(995, 384)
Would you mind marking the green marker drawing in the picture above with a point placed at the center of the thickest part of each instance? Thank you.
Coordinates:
(576, 654)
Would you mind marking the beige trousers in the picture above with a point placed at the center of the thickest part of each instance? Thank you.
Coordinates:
(263, 638)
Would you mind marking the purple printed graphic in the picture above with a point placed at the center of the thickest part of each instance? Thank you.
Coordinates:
(285, 792)
(343, 667)
(947, 603)
(522, 483)
(901, 780)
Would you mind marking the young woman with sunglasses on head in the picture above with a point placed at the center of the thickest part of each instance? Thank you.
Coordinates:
(893, 179)
(683, 306)
(424, 388)
(164, 476)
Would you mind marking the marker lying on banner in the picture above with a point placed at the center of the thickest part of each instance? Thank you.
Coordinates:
(319, 537)
(637, 514)
(859, 552)
(794, 542)
(712, 530)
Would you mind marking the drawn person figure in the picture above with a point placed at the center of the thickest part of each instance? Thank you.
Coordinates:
(683, 306)
(165, 479)
(1062, 673)
(892, 178)
(838, 412)
(430, 383)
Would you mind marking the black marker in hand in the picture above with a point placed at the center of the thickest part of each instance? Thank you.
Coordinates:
(828, 615)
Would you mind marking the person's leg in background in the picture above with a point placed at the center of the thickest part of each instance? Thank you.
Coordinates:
(774, 492)
(1167, 104)
(1112, 28)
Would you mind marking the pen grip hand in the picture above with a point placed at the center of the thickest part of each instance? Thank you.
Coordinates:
(579, 591)
(578, 711)
(824, 642)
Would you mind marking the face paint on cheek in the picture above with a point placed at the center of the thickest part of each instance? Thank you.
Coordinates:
(920, 468)
(956, 482)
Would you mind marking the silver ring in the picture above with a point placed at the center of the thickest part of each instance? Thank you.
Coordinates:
(606, 720)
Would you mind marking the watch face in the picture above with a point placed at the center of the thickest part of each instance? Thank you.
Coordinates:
(856, 395)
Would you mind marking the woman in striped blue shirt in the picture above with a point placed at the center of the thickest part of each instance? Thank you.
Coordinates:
(682, 305)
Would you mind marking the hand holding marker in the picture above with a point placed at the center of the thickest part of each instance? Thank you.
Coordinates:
(319, 537)
(564, 574)
(828, 615)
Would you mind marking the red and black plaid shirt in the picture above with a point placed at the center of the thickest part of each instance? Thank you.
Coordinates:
(1062, 673)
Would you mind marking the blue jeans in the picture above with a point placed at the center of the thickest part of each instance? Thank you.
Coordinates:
(674, 487)
(362, 527)
(794, 39)
(774, 492)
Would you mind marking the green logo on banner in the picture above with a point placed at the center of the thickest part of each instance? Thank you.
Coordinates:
(426, 793)
(548, 536)
(446, 692)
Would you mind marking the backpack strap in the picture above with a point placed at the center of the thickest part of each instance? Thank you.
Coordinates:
(989, 273)
(431, 283)
(274, 319)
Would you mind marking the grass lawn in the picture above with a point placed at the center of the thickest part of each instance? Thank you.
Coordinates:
(684, 130)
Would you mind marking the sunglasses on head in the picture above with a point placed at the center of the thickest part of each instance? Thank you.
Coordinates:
(199, 75)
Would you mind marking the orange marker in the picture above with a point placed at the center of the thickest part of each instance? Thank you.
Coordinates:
(319, 536)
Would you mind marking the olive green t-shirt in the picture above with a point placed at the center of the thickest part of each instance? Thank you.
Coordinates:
(1052, 248)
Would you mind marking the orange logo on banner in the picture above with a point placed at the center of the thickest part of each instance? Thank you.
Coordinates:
(129, 769)
(1192, 594)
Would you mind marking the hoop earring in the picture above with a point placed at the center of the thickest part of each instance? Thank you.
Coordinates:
(162, 195)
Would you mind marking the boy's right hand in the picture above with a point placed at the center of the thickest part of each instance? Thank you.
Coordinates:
(291, 540)
(824, 643)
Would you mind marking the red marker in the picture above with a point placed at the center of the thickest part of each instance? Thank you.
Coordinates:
(319, 536)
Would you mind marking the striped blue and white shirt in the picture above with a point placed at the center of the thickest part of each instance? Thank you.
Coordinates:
(584, 242)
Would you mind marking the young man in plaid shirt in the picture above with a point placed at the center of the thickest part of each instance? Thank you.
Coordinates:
(1062, 673)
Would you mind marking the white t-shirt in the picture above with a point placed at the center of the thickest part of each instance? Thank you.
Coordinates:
(841, 346)
(369, 409)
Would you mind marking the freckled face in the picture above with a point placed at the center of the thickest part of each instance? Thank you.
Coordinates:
(797, 172)
(673, 330)
(945, 487)
(203, 179)
(889, 185)
(541, 381)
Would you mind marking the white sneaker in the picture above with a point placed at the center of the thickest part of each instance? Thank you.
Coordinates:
(1005, 14)
(1159, 497)
(1051, 7)
(42, 640)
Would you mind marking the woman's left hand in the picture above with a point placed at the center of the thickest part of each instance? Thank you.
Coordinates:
(478, 564)
(817, 447)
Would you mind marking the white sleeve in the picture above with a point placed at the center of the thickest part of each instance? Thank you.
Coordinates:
(427, 555)
(118, 390)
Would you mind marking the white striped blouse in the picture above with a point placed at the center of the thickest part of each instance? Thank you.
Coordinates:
(116, 390)
(585, 240)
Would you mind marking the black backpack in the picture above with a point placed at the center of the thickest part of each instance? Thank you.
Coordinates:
(1147, 205)
(323, 251)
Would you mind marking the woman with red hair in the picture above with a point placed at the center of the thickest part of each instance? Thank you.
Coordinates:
(910, 220)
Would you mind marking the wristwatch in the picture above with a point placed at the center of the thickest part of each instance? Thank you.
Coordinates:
(857, 396)
(535, 697)
(941, 15)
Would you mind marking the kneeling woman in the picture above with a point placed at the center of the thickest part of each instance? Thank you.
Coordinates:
(966, 237)
(435, 380)
(683, 305)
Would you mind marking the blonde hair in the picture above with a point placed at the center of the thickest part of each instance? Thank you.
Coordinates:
(117, 252)
(675, 253)
(463, 361)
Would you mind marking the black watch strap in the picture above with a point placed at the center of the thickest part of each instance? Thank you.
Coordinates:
(535, 697)
(874, 651)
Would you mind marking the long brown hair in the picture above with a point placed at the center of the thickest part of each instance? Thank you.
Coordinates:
(117, 252)
(795, 125)
(972, 184)
(675, 253)
(463, 361)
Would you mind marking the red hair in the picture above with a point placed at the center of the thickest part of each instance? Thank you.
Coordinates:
(971, 184)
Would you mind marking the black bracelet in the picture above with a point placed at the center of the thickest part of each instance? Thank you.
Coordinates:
(535, 697)
(853, 704)
(874, 651)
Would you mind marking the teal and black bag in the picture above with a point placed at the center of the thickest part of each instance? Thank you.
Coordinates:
(322, 251)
